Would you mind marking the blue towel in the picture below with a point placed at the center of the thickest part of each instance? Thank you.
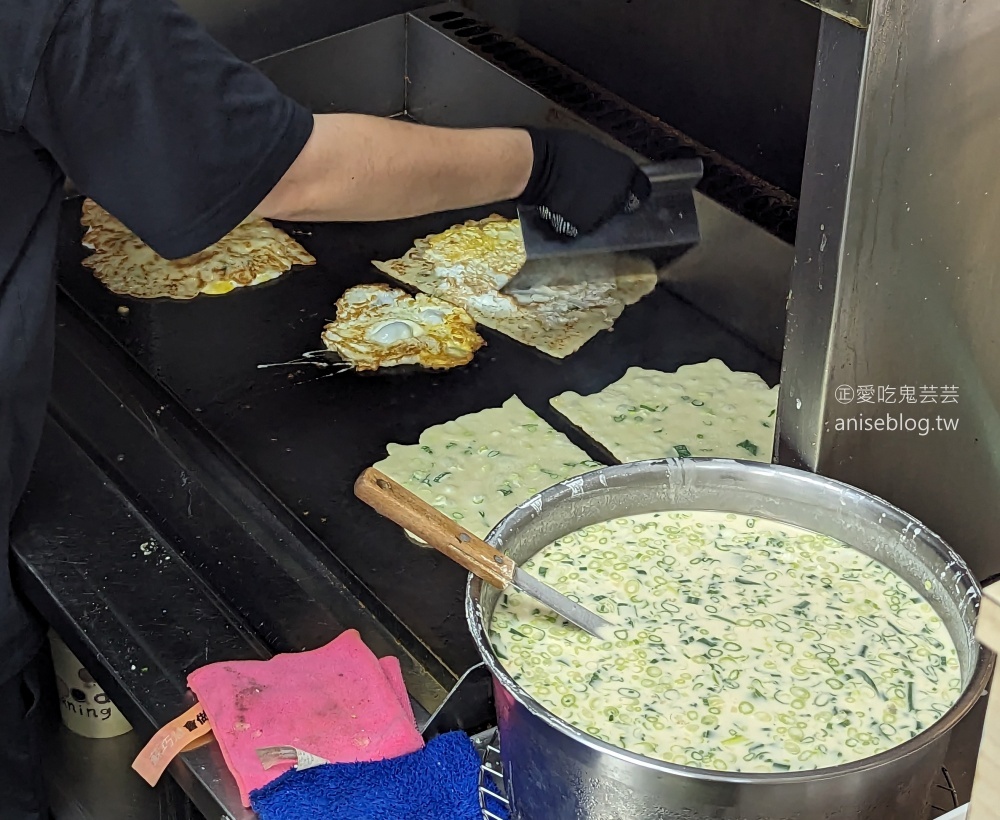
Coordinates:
(440, 782)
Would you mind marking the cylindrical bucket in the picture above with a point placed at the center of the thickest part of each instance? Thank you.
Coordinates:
(83, 705)
(555, 771)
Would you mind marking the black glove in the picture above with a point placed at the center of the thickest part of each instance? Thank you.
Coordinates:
(578, 183)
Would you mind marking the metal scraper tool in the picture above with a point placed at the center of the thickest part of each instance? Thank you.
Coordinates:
(401, 506)
(661, 230)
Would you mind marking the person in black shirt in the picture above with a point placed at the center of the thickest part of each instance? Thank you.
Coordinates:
(133, 101)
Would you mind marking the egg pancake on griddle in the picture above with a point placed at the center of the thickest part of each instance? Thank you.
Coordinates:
(252, 253)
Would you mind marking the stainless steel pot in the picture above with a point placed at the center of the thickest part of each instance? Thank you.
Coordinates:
(554, 771)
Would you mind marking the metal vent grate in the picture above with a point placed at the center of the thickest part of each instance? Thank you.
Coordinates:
(724, 181)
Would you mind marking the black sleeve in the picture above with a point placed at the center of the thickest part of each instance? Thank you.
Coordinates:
(159, 124)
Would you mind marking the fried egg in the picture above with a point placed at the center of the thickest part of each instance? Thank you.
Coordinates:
(381, 326)
(477, 259)
(495, 244)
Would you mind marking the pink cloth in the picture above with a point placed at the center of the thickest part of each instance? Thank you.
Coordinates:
(339, 702)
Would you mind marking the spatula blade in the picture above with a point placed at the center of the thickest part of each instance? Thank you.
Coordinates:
(594, 268)
(664, 228)
(563, 606)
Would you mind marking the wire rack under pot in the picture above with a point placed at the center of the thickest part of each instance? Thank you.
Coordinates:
(945, 797)
(491, 782)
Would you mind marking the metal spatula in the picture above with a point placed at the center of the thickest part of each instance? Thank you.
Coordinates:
(402, 507)
(661, 230)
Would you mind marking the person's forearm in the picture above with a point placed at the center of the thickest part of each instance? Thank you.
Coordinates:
(357, 168)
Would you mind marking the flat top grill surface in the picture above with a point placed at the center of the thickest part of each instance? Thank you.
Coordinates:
(306, 433)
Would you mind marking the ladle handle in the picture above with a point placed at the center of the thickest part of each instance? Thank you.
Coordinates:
(402, 507)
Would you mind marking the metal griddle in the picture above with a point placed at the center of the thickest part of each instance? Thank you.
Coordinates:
(304, 434)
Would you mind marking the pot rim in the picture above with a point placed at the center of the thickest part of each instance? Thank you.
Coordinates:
(975, 688)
